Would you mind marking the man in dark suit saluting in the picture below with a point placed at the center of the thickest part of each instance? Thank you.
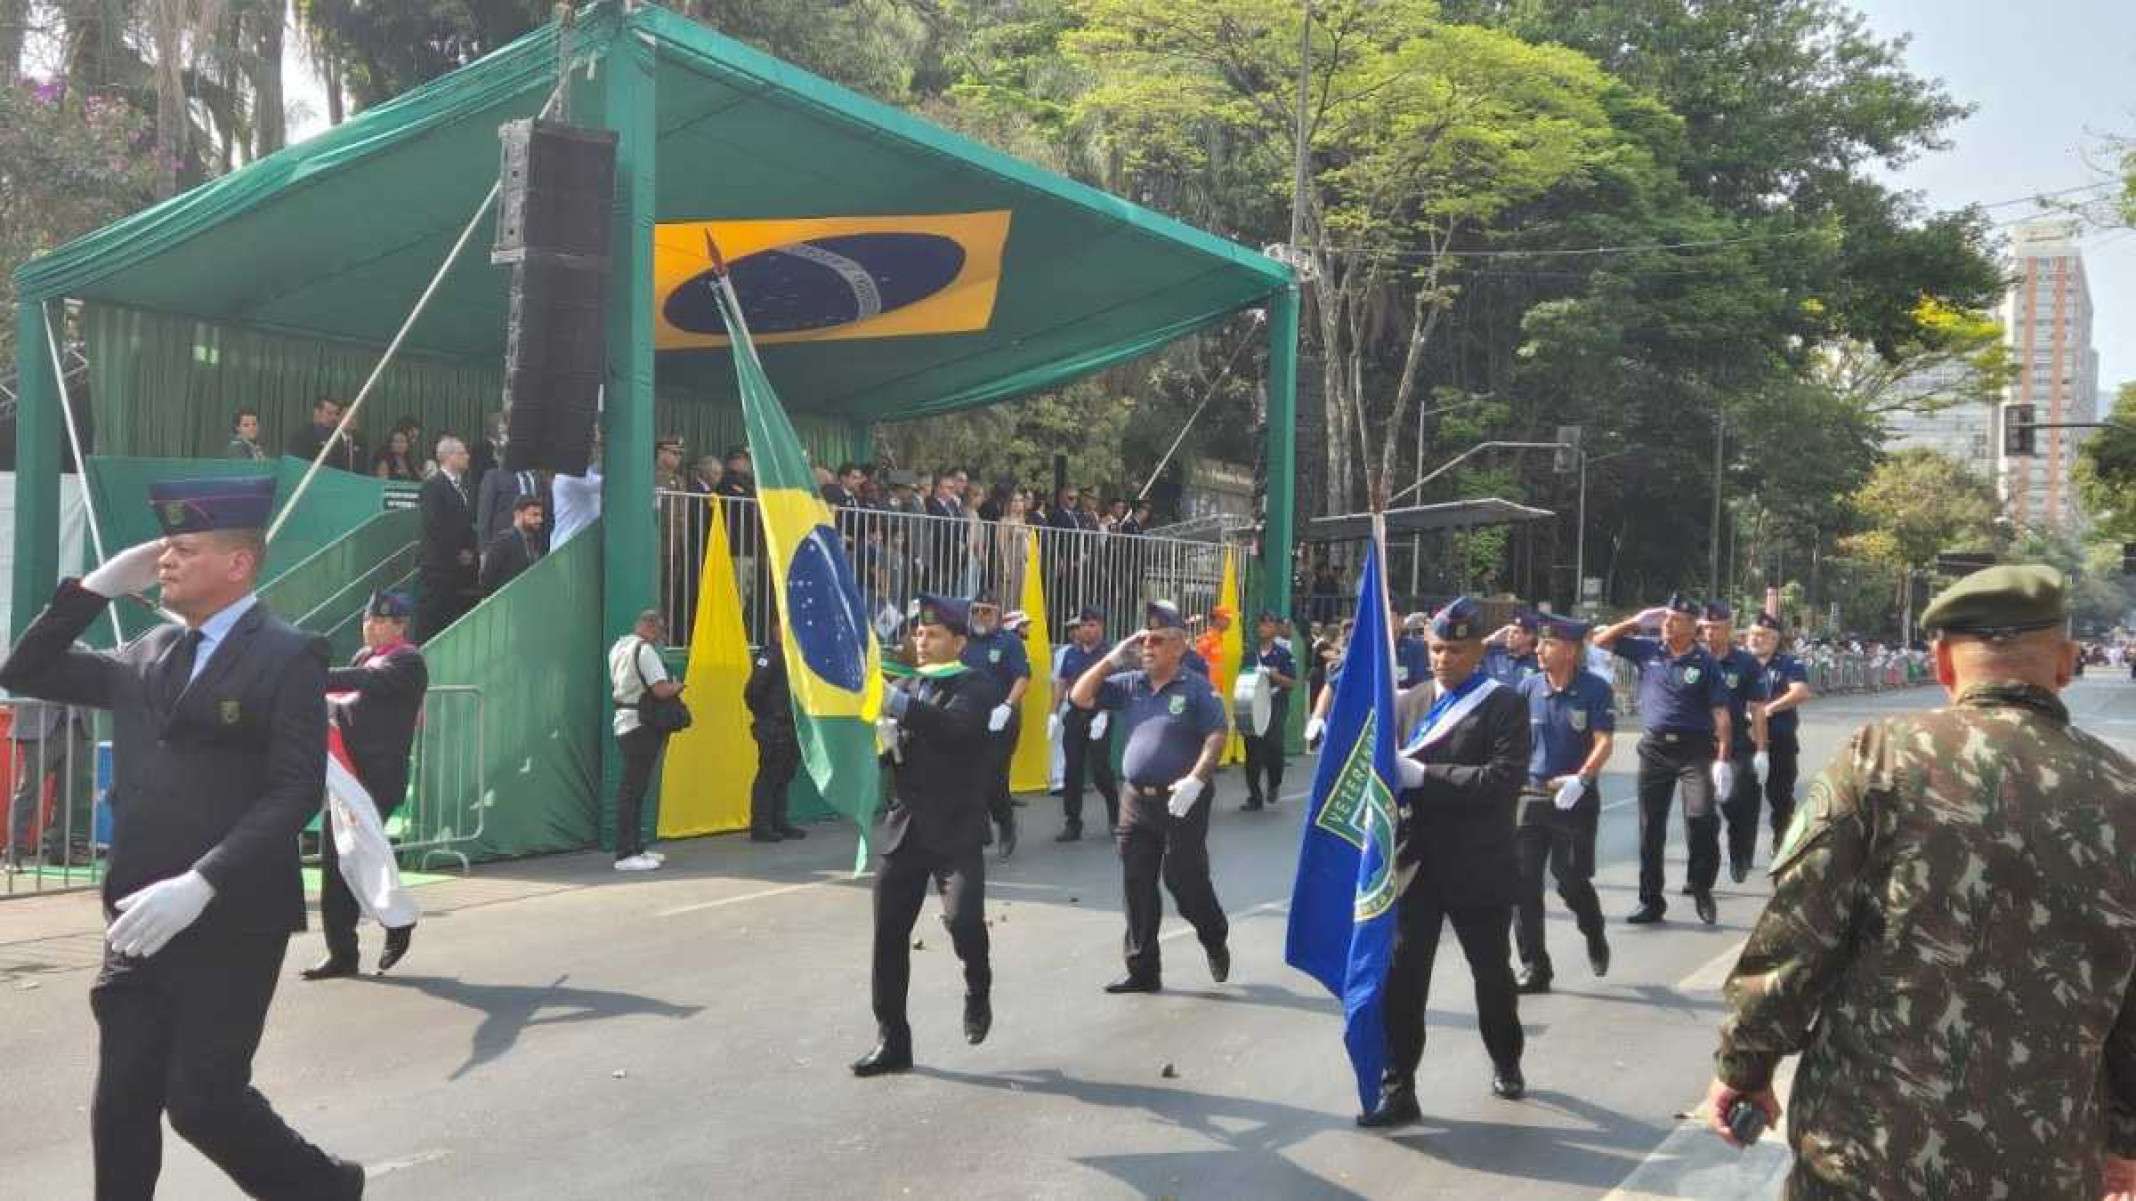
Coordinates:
(219, 735)
(376, 702)
(1464, 757)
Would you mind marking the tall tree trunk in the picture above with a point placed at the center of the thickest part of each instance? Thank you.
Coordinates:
(14, 21)
(330, 69)
(167, 31)
(270, 123)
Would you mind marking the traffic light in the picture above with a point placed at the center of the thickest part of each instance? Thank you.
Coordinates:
(1566, 458)
(2020, 432)
(2128, 558)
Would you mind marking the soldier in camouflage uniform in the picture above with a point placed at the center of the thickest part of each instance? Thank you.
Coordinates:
(1951, 939)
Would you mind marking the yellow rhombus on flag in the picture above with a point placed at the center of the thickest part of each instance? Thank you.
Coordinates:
(1231, 652)
(704, 786)
(1031, 767)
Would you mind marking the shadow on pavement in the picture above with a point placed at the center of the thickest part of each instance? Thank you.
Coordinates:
(508, 1009)
(1598, 1154)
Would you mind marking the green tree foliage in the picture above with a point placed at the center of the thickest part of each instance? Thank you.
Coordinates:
(2106, 470)
(1918, 503)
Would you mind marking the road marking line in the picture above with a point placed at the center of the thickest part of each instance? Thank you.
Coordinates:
(378, 1168)
(759, 895)
(1693, 1164)
(1714, 973)
(1263, 907)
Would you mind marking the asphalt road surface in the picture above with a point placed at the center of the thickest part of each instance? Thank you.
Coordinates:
(563, 1032)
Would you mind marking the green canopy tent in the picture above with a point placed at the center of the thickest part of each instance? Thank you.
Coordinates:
(288, 277)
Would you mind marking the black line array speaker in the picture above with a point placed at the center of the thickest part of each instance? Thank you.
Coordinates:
(556, 188)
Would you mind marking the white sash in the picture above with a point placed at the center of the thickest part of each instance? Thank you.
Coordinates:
(1452, 717)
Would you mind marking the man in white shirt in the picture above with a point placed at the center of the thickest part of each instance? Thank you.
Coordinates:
(578, 500)
(634, 670)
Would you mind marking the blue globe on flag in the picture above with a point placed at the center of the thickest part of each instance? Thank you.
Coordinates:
(824, 610)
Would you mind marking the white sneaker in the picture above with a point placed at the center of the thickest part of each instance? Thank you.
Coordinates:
(640, 862)
(659, 857)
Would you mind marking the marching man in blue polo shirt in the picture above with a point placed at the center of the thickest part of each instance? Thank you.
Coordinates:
(1271, 656)
(1683, 707)
(1086, 742)
(1510, 652)
(999, 653)
(1572, 719)
(1745, 680)
(1175, 733)
(1787, 687)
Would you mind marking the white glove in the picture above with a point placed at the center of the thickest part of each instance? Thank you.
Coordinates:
(128, 573)
(1053, 727)
(1127, 653)
(152, 917)
(1185, 791)
(998, 720)
(1569, 792)
(1099, 724)
(1315, 730)
(1409, 771)
(1762, 764)
(1723, 779)
(1653, 616)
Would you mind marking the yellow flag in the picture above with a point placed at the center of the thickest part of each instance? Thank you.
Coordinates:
(1231, 651)
(1030, 770)
(704, 787)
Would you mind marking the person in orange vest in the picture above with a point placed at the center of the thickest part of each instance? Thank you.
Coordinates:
(1209, 644)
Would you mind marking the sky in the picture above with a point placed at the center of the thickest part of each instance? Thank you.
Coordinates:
(2050, 78)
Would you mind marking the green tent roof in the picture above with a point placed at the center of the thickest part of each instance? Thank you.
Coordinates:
(338, 235)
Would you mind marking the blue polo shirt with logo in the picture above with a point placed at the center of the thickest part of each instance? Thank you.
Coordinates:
(1781, 672)
(1001, 655)
(1165, 726)
(1745, 681)
(1508, 668)
(1075, 660)
(1563, 722)
(1677, 693)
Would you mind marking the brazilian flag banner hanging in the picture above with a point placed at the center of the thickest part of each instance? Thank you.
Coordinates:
(832, 661)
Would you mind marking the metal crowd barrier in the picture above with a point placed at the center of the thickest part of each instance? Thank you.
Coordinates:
(50, 840)
(448, 803)
(897, 555)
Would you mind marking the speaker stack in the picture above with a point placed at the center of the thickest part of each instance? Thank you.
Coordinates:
(555, 191)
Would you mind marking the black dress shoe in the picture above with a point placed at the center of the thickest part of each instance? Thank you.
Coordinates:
(1253, 804)
(1598, 953)
(1395, 1108)
(1707, 911)
(794, 833)
(765, 834)
(887, 1057)
(1219, 962)
(397, 940)
(1687, 891)
(978, 1019)
(1532, 980)
(1647, 913)
(1133, 984)
(1069, 834)
(1008, 836)
(1739, 871)
(1507, 1083)
(331, 967)
(348, 1181)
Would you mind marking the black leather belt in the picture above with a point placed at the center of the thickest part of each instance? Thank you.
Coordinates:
(1672, 737)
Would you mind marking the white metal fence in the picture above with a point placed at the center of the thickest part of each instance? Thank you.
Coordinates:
(897, 555)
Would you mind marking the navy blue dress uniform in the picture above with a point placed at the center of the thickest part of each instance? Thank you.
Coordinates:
(1264, 752)
(1744, 677)
(1167, 726)
(1456, 861)
(770, 701)
(219, 764)
(384, 689)
(1000, 653)
(1677, 696)
(933, 833)
(1783, 743)
(1082, 755)
(1562, 724)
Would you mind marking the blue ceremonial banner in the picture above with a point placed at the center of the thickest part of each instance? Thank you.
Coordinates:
(1342, 905)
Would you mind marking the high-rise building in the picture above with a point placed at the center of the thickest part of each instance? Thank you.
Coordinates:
(1964, 431)
(2047, 318)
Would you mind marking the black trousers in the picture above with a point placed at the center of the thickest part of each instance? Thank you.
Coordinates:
(1778, 795)
(1001, 744)
(778, 758)
(1483, 931)
(1739, 809)
(641, 751)
(1081, 755)
(1264, 756)
(1155, 846)
(1786, 752)
(1565, 843)
(1663, 766)
(447, 594)
(175, 1036)
(901, 886)
(338, 910)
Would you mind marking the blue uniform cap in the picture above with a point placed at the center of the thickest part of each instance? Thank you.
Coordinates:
(1162, 616)
(198, 506)
(1564, 629)
(1717, 611)
(952, 613)
(393, 605)
(1525, 620)
(1460, 620)
(1415, 621)
(1679, 603)
(986, 596)
(1766, 621)
(1269, 615)
(1091, 613)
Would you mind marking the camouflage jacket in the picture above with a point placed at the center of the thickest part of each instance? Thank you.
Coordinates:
(1950, 945)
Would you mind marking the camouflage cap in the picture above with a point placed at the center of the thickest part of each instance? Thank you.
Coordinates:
(2006, 599)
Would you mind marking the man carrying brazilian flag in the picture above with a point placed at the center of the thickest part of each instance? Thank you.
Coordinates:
(832, 660)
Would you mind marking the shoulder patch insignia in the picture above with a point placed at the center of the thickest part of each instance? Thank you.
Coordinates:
(1691, 675)
(1578, 718)
(229, 712)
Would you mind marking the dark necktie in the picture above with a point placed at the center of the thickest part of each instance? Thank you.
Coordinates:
(178, 666)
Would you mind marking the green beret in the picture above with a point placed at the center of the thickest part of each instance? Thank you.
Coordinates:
(2009, 599)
